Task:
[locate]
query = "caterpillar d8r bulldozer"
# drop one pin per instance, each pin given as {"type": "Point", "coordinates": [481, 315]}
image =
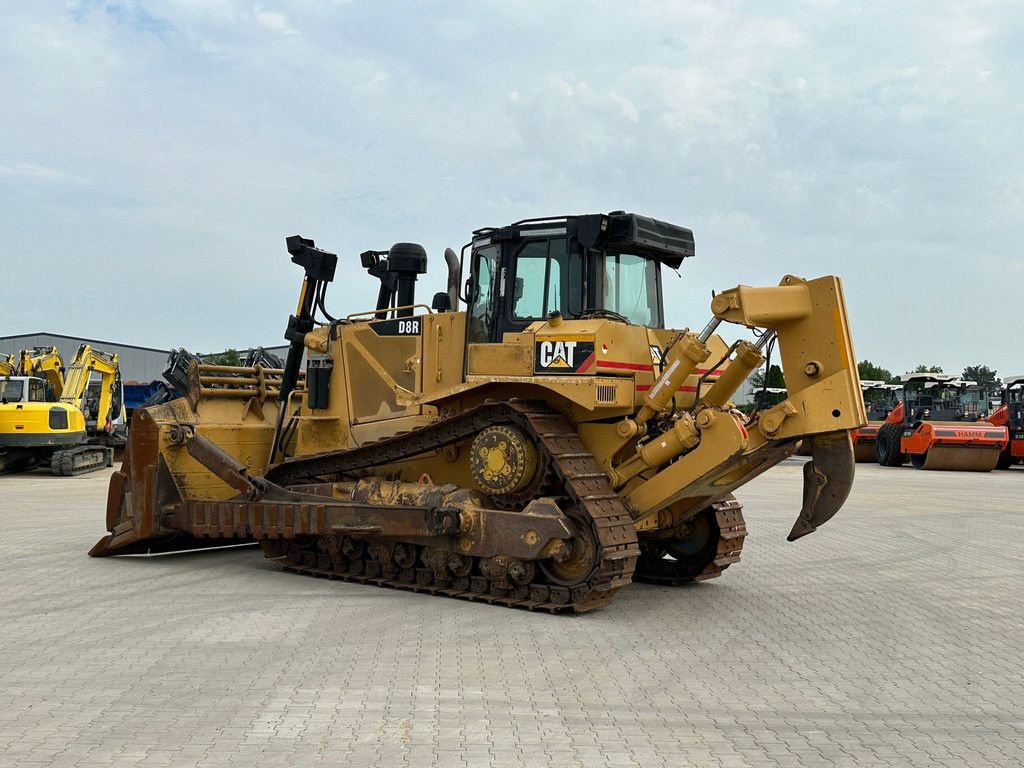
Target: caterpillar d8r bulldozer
{"type": "Point", "coordinates": [542, 448]}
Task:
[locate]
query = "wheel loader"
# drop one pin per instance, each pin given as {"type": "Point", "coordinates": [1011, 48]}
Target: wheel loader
{"type": "Point", "coordinates": [1010, 414]}
{"type": "Point", "coordinates": [541, 448]}
{"type": "Point", "coordinates": [935, 429]}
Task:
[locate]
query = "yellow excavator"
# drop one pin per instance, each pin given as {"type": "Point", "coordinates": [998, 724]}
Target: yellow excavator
{"type": "Point", "coordinates": [74, 434]}
{"type": "Point", "coordinates": [45, 363]}
{"type": "Point", "coordinates": [541, 449]}
{"type": "Point", "coordinates": [7, 366]}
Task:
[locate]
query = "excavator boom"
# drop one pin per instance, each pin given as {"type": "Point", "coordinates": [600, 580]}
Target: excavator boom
{"type": "Point", "coordinates": [45, 363]}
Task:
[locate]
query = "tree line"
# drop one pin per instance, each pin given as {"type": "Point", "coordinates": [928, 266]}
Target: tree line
{"type": "Point", "coordinates": [986, 377]}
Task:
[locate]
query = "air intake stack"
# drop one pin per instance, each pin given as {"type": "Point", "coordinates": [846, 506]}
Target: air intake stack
{"type": "Point", "coordinates": [397, 269]}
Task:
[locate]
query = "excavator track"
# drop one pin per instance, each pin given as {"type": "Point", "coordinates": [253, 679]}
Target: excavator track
{"type": "Point", "coordinates": [571, 476]}
{"type": "Point", "coordinates": [81, 459]}
{"type": "Point", "coordinates": [727, 535]}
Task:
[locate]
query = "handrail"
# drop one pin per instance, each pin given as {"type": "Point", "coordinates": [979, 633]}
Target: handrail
{"type": "Point", "coordinates": [387, 311]}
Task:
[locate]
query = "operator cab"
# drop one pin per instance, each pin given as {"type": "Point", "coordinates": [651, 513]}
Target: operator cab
{"type": "Point", "coordinates": [22, 389]}
{"type": "Point", "coordinates": [937, 397]}
{"type": "Point", "coordinates": [1013, 398]}
{"type": "Point", "coordinates": [596, 265]}
{"type": "Point", "coordinates": [880, 398]}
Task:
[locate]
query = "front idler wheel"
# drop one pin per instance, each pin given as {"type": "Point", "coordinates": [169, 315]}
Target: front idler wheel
{"type": "Point", "coordinates": [577, 560]}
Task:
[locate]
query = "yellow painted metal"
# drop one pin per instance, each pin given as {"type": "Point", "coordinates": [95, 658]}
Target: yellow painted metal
{"type": "Point", "coordinates": [87, 362]}
{"type": "Point", "coordinates": [692, 449]}
{"type": "Point", "coordinates": [47, 363]}
{"type": "Point", "coordinates": [722, 438]}
{"type": "Point", "coordinates": [681, 360]}
{"type": "Point", "coordinates": [28, 424]}
{"type": "Point", "coordinates": [748, 358]}
{"type": "Point", "coordinates": [502, 460]}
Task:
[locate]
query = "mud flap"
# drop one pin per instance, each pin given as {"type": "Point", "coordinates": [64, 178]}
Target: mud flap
{"type": "Point", "coordinates": [828, 477]}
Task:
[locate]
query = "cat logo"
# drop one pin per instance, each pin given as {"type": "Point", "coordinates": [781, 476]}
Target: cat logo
{"type": "Point", "coordinates": [557, 354]}
{"type": "Point", "coordinates": [571, 354]}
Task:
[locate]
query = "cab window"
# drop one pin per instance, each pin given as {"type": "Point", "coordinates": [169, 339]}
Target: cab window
{"type": "Point", "coordinates": [547, 279]}
{"type": "Point", "coordinates": [630, 288]}
{"type": "Point", "coordinates": [11, 391]}
{"type": "Point", "coordinates": [36, 391]}
{"type": "Point", "coordinates": [481, 295]}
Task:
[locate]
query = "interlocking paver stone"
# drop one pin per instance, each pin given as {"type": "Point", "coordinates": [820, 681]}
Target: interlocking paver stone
{"type": "Point", "coordinates": [892, 637]}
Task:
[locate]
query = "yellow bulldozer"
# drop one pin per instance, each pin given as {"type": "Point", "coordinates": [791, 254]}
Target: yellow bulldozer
{"type": "Point", "coordinates": [542, 448]}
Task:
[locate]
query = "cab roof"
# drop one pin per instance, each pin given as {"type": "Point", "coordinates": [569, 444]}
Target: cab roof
{"type": "Point", "coordinates": [617, 231]}
{"type": "Point", "coordinates": [931, 378]}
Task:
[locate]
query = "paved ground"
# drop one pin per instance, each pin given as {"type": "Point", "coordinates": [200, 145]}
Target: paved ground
{"type": "Point", "coordinates": [894, 636]}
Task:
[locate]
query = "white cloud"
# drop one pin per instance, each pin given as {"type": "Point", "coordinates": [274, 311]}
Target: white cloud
{"type": "Point", "coordinates": [41, 173]}
{"type": "Point", "coordinates": [275, 22]}
{"type": "Point", "coordinates": [877, 141]}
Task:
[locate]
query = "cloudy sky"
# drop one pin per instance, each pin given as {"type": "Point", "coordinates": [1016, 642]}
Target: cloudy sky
{"type": "Point", "coordinates": [154, 154]}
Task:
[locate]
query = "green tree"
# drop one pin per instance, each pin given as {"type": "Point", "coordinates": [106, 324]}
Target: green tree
{"type": "Point", "coordinates": [227, 357]}
{"type": "Point", "coordinates": [928, 369]}
{"type": "Point", "coordinates": [775, 378]}
{"type": "Point", "coordinates": [985, 376]}
{"type": "Point", "coordinates": [868, 371]}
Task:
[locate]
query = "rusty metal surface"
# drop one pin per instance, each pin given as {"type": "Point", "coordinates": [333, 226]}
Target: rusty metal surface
{"type": "Point", "coordinates": [828, 478]}
{"type": "Point", "coordinates": [290, 519]}
{"type": "Point", "coordinates": [583, 491]}
{"type": "Point", "coordinates": [958, 457]}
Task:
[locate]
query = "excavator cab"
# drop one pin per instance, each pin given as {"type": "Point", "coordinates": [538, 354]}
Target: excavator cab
{"type": "Point", "coordinates": [599, 265]}
{"type": "Point", "coordinates": [22, 389]}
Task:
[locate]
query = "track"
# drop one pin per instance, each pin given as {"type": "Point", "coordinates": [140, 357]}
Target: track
{"type": "Point", "coordinates": [81, 459]}
{"type": "Point", "coordinates": [726, 529]}
{"type": "Point", "coordinates": [606, 550]}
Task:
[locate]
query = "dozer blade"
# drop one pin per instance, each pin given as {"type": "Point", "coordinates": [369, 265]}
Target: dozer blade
{"type": "Point", "coordinates": [828, 477]}
{"type": "Point", "coordinates": [958, 458]}
{"type": "Point", "coordinates": [140, 496]}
